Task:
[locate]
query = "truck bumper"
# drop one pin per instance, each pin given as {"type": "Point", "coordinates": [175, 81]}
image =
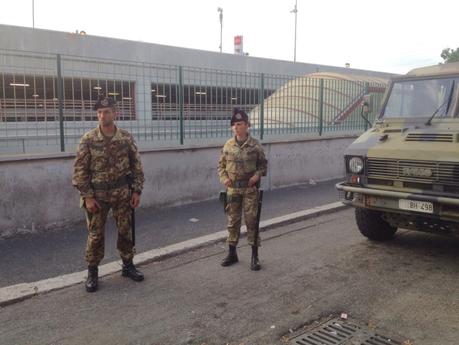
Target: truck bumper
{"type": "Point", "coordinates": [398, 195]}
{"type": "Point", "coordinates": [439, 215]}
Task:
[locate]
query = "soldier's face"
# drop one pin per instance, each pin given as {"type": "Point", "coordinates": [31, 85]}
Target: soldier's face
{"type": "Point", "coordinates": [240, 129]}
{"type": "Point", "coordinates": [106, 116]}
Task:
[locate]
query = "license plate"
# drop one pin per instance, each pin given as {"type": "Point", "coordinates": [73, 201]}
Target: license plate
{"type": "Point", "coordinates": [413, 205]}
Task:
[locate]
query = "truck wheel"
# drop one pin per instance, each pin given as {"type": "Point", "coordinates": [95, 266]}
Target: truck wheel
{"type": "Point", "coordinates": [371, 225]}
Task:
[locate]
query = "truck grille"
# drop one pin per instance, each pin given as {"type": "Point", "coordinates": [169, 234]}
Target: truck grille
{"type": "Point", "coordinates": [418, 171]}
{"type": "Point", "coordinates": [430, 137]}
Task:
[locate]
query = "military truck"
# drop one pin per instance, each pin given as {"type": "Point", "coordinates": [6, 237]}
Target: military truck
{"type": "Point", "coordinates": [404, 171]}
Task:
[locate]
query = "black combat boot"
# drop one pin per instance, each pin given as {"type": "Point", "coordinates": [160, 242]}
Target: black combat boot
{"type": "Point", "coordinates": [255, 263]}
{"type": "Point", "coordinates": [231, 258]}
{"type": "Point", "coordinates": [130, 271]}
{"type": "Point", "coordinates": [91, 282]}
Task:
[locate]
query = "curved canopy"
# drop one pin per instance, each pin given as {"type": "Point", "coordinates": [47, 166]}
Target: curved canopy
{"type": "Point", "coordinates": [299, 102]}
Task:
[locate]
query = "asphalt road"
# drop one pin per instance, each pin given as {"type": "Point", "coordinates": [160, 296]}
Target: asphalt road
{"type": "Point", "coordinates": [30, 258]}
{"type": "Point", "coordinates": [406, 288]}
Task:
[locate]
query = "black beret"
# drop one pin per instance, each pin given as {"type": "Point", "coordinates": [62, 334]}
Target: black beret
{"type": "Point", "coordinates": [104, 102]}
{"type": "Point", "coordinates": [239, 115]}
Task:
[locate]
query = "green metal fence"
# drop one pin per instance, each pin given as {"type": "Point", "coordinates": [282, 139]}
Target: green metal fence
{"type": "Point", "coordinates": [46, 102]}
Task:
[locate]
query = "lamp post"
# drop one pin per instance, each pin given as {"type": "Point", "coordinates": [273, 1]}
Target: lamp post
{"type": "Point", "coordinates": [295, 10]}
{"type": "Point", "coordinates": [220, 10]}
{"type": "Point", "coordinates": [33, 14]}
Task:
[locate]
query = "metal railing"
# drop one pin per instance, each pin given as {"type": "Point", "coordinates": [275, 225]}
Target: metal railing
{"type": "Point", "coordinates": [46, 102]}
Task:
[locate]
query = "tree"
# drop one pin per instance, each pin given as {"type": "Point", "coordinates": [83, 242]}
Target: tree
{"type": "Point", "coordinates": [450, 55]}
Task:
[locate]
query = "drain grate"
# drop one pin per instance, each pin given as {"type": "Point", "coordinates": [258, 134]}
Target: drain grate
{"type": "Point", "coordinates": [340, 332]}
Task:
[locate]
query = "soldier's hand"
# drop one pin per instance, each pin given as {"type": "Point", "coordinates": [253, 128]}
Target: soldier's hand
{"type": "Point", "coordinates": [228, 183]}
{"type": "Point", "coordinates": [91, 205]}
{"type": "Point", "coordinates": [253, 180]}
{"type": "Point", "coordinates": [135, 200]}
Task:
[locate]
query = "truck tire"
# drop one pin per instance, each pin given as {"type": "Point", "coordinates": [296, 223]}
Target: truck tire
{"type": "Point", "coordinates": [372, 226]}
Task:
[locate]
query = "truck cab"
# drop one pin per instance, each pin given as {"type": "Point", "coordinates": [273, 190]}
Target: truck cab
{"type": "Point", "coordinates": [404, 171]}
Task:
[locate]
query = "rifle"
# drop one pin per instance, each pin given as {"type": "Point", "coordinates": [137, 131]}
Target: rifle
{"type": "Point", "coordinates": [133, 226]}
{"type": "Point", "coordinates": [130, 181]}
{"type": "Point", "coordinates": [260, 203]}
{"type": "Point", "coordinates": [223, 197]}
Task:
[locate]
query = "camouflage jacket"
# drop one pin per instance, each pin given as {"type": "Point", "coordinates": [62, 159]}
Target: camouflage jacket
{"type": "Point", "coordinates": [99, 163]}
{"type": "Point", "coordinates": [241, 162]}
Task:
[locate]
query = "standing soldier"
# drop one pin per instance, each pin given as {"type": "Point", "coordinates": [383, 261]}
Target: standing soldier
{"type": "Point", "coordinates": [242, 164]}
{"type": "Point", "coordinates": [108, 174]}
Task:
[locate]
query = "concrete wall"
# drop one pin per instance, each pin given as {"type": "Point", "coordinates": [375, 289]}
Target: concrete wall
{"type": "Point", "coordinates": [37, 193]}
{"type": "Point", "coordinates": [54, 42]}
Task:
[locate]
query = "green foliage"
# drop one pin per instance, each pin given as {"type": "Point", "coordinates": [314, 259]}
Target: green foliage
{"type": "Point", "coordinates": [450, 55]}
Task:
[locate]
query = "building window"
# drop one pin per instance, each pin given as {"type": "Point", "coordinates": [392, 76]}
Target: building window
{"type": "Point", "coordinates": [201, 102]}
{"type": "Point", "coordinates": [35, 98]}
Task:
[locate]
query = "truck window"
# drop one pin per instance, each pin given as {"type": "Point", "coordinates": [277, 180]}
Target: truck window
{"type": "Point", "coordinates": [420, 98]}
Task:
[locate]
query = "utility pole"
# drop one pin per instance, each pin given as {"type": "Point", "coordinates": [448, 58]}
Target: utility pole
{"type": "Point", "coordinates": [295, 10]}
{"type": "Point", "coordinates": [220, 10]}
{"type": "Point", "coordinates": [33, 14]}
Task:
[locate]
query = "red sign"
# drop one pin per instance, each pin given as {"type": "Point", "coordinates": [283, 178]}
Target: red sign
{"type": "Point", "coordinates": [238, 49]}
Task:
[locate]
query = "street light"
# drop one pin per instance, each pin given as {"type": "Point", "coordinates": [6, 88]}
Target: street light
{"type": "Point", "coordinates": [33, 14]}
{"type": "Point", "coordinates": [295, 10]}
{"type": "Point", "coordinates": [220, 10]}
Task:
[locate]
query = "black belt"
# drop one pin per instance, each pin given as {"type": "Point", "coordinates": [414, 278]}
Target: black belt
{"type": "Point", "coordinates": [121, 182]}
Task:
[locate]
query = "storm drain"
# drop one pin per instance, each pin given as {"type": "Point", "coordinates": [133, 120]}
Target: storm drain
{"type": "Point", "coordinates": [341, 332]}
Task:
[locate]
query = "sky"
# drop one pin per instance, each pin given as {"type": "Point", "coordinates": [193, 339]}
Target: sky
{"type": "Point", "coordinates": [390, 36]}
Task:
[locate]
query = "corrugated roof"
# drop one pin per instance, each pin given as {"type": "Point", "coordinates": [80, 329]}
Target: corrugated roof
{"type": "Point", "coordinates": [349, 77]}
{"type": "Point", "coordinates": [297, 102]}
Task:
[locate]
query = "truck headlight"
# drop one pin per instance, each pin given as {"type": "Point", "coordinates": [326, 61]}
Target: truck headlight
{"type": "Point", "coordinates": [355, 165]}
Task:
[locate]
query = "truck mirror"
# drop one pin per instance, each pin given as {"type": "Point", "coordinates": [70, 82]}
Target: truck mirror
{"type": "Point", "coordinates": [366, 103]}
{"type": "Point", "coordinates": [365, 110]}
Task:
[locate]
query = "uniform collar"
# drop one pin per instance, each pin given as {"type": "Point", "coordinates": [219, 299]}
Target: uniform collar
{"type": "Point", "coordinates": [248, 142]}
{"type": "Point", "coordinates": [101, 137]}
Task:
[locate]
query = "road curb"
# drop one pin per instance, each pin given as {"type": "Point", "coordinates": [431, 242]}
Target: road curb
{"type": "Point", "coordinates": [19, 292]}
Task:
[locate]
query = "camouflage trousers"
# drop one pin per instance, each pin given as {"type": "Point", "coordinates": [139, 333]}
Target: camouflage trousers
{"type": "Point", "coordinates": [117, 201]}
{"type": "Point", "coordinates": [242, 200]}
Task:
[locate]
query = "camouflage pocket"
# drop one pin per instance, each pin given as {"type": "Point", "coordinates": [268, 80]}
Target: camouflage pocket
{"type": "Point", "coordinates": [98, 147]}
{"type": "Point", "coordinates": [233, 198]}
{"type": "Point", "coordinates": [250, 166]}
{"type": "Point", "coordinates": [231, 165]}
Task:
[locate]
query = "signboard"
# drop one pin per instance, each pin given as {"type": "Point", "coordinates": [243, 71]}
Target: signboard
{"type": "Point", "coordinates": [238, 48]}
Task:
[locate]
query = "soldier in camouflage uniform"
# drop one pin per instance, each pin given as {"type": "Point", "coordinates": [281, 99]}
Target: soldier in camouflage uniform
{"type": "Point", "coordinates": [107, 162]}
{"type": "Point", "coordinates": [242, 164]}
